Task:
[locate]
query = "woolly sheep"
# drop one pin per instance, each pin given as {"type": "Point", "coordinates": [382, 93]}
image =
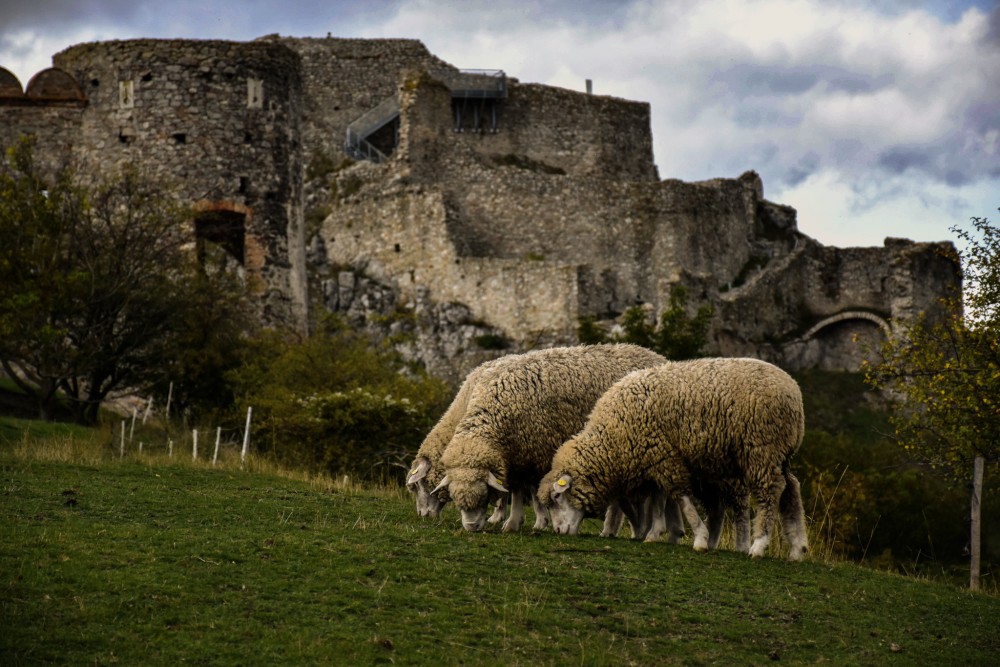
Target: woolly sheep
{"type": "Point", "coordinates": [518, 416]}
{"type": "Point", "coordinates": [734, 423]}
{"type": "Point", "coordinates": [426, 471]}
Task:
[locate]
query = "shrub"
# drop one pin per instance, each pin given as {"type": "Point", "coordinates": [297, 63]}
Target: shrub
{"type": "Point", "coordinates": [337, 402]}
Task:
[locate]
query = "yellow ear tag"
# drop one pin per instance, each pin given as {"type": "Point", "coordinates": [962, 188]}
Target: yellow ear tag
{"type": "Point", "coordinates": [413, 471]}
{"type": "Point", "coordinates": [561, 482]}
{"type": "Point", "coordinates": [500, 482]}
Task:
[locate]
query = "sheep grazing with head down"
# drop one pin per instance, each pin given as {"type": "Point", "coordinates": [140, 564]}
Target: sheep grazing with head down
{"type": "Point", "coordinates": [426, 471]}
{"type": "Point", "coordinates": [734, 423]}
{"type": "Point", "coordinates": [518, 415]}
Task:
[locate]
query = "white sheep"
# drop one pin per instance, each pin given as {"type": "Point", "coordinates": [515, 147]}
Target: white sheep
{"type": "Point", "coordinates": [730, 424]}
{"type": "Point", "coordinates": [518, 415]}
{"type": "Point", "coordinates": [426, 471]}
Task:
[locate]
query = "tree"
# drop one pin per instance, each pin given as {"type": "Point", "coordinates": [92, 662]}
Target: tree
{"type": "Point", "coordinates": [678, 336]}
{"type": "Point", "coordinates": [97, 288]}
{"type": "Point", "coordinates": [946, 372]}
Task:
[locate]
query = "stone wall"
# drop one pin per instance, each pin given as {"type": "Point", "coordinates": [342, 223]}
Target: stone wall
{"type": "Point", "coordinates": [218, 120]}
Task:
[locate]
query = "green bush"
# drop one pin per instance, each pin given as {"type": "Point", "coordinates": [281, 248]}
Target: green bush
{"type": "Point", "coordinates": [336, 402]}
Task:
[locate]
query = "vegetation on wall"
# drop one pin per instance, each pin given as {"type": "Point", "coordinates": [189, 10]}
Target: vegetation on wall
{"type": "Point", "coordinates": [677, 335]}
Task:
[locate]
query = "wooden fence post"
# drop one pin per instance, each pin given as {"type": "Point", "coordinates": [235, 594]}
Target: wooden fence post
{"type": "Point", "coordinates": [194, 448]}
{"type": "Point", "coordinates": [218, 436]}
{"type": "Point", "coordinates": [246, 438]}
{"type": "Point", "coordinates": [121, 451]}
{"type": "Point", "coordinates": [977, 496]}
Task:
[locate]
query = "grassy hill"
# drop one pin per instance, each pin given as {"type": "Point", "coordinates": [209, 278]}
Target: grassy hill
{"type": "Point", "coordinates": [150, 562]}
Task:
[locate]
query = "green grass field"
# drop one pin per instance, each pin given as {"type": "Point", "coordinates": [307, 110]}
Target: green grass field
{"type": "Point", "coordinates": [156, 562]}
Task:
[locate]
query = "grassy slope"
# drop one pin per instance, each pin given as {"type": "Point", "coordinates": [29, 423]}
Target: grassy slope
{"type": "Point", "coordinates": [143, 564]}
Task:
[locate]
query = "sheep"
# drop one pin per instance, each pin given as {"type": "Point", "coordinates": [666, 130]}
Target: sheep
{"type": "Point", "coordinates": [426, 471]}
{"type": "Point", "coordinates": [732, 424]}
{"type": "Point", "coordinates": [518, 416]}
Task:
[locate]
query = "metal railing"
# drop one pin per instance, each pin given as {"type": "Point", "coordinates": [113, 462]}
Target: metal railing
{"type": "Point", "coordinates": [482, 84]}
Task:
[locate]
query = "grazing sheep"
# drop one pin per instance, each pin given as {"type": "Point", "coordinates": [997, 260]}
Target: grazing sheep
{"type": "Point", "coordinates": [426, 471]}
{"type": "Point", "coordinates": [517, 417]}
{"type": "Point", "coordinates": [734, 423]}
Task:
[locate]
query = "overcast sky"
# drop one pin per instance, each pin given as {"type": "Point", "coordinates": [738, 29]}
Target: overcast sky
{"type": "Point", "coordinates": [872, 118]}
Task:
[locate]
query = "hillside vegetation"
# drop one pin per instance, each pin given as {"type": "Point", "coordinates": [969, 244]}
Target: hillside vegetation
{"type": "Point", "coordinates": [149, 561]}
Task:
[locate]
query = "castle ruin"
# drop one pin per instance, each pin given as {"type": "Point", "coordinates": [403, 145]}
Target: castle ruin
{"type": "Point", "coordinates": [465, 208]}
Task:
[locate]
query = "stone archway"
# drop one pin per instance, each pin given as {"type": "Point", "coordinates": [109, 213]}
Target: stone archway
{"type": "Point", "coordinates": [838, 343]}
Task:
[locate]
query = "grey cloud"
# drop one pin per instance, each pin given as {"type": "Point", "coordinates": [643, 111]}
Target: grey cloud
{"type": "Point", "coordinates": [898, 159]}
{"type": "Point", "coordinates": [756, 79]}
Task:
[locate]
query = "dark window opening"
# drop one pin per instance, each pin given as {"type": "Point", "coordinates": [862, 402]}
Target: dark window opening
{"type": "Point", "coordinates": [247, 138]}
{"type": "Point", "coordinates": [244, 184]}
{"type": "Point", "coordinates": [179, 137]}
{"type": "Point", "coordinates": [147, 77]}
{"type": "Point", "coordinates": [95, 82]}
{"type": "Point", "coordinates": [396, 247]}
{"type": "Point", "coordinates": [125, 138]}
{"type": "Point", "coordinates": [219, 234]}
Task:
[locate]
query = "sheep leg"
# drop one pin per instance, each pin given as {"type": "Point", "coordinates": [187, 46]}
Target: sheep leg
{"type": "Point", "coordinates": [767, 500]}
{"type": "Point", "coordinates": [675, 520]}
{"type": "Point", "coordinates": [697, 525]}
{"type": "Point", "coordinates": [516, 518]}
{"type": "Point", "coordinates": [716, 512]}
{"type": "Point", "coordinates": [793, 519]}
{"type": "Point", "coordinates": [656, 516]}
{"type": "Point", "coordinates": [634, 516]}
{"type": "Point", "coordinates": [613, 518]}
{"type": "Point", "coordinates": [741, 525]}
{"type": "Point", "coordinates": [541, 514]}
{"type": "Point", "coordinates": [500, 512]}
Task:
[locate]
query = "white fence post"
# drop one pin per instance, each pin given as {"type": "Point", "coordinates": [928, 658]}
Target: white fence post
{"type": "Point", "coordinates": [149, 406]}
{"type": "Point", "coordinates": [194, 448]}
{"type": "Point", "coordinates": [170, 448]}
{"type": "Point", "coordinates": [246, 437]}
{"type": "Point", "coordinates": [170, 396]}
{"type": "Point", "coordinates": [218, 436]}
{"type": "Point", "coordinates": [131, 430]}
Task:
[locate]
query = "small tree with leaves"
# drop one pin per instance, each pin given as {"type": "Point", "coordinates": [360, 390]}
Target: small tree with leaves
{"type": "Point", "coordinates": [946, 373]}
{"type": "Point", "coordinates": [677, 336]}
{"type": "Point", "coordinates": [97, 288]}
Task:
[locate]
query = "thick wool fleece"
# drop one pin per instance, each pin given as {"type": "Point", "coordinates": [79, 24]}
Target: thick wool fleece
{"type": "Point", "coordinates": [735, 422]}
{"type": "Point", "coordinates": [518, 416]}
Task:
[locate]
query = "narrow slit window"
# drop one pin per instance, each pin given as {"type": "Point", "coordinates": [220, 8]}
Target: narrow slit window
{"type": "Point", "coordinates": [126, 94]}
{"type": "Point", "coordinates": [255, 93]}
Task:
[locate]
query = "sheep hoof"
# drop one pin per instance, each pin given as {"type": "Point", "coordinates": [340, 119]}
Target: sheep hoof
{"type": "Point", "coordinates": [758, 549]}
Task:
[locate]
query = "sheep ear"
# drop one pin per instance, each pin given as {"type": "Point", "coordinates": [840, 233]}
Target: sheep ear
{"type": "Point", "coordinates": [495, 483]}
{"type": "Point", "coordinates": [442, 485]}
{"type": "Point", "coordinates": [561, 485]}
{"type": "Point", "coordinates": [419, 470]}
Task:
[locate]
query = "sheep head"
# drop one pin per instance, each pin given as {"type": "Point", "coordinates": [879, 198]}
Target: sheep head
{"type": "Point", "coordinates": [429, 504]}
{"type": "Point", "coordinates": [470, 488]}
{"type": "Point", "coordinates": [566, 518]}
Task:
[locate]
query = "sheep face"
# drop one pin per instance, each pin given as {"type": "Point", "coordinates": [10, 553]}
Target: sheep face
{"type": "Point", "coordinates": [566, 517]}
{"type": "Point", "coordinates": [472, 490]}
{"type": "Point", "coordinates": [428, 504]}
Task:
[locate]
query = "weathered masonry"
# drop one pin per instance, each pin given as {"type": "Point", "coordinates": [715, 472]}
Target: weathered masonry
{"type": "Point", "coordinates": [462, 206]}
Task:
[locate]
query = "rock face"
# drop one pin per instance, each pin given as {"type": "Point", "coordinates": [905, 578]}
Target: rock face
{"type": "Point", "coordinates": [492, 216]}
